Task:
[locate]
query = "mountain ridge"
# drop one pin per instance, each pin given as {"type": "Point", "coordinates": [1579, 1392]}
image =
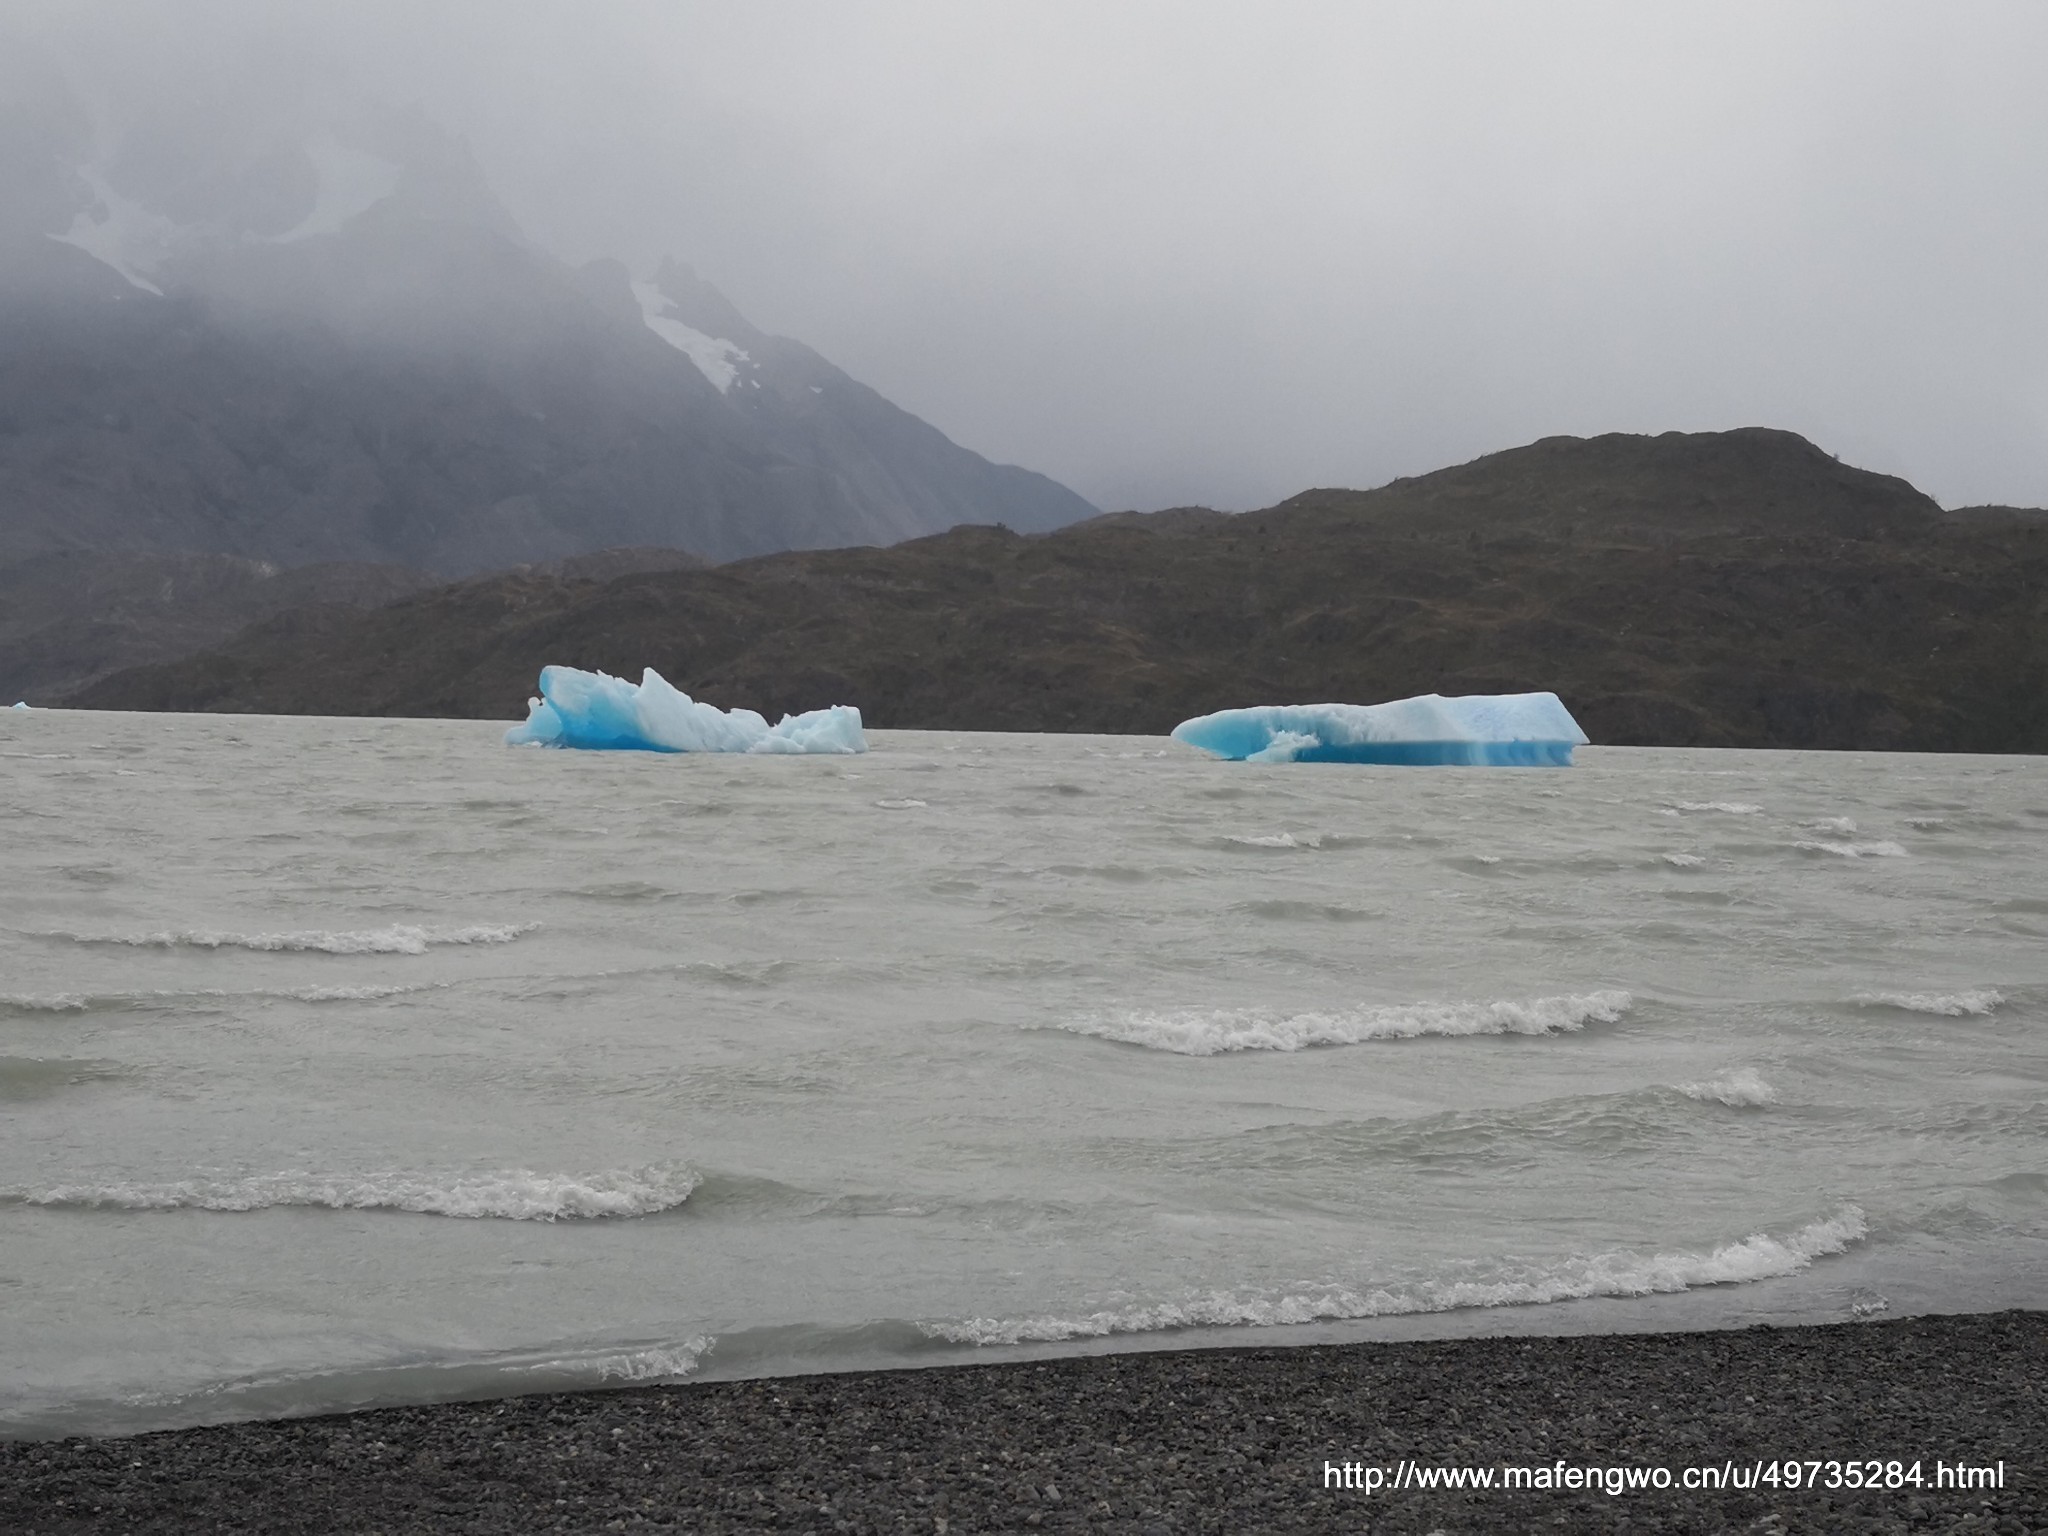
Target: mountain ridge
{"type": "Point", "coordinates": [1739, 588]}
{"type": "Point", "coordinates": [356, 356]}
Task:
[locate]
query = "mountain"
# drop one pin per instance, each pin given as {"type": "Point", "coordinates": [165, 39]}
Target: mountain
{"type": "Point", "coordinates": [339, 348]}
{"type": "Point", "coordinates": [1722, 589]}
{"type": "Point", "coordinates": [71, 617]}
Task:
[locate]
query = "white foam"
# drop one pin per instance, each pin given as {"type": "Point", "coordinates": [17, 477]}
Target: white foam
{"type": "Point", "coordinates": [901, 805]}
{"type": "Point", "coordinates": [1212, 1031]}
{"type": "Point", "coordinates": [661, 1364]}
{"type": "Point", "coordinates": [76, 1002]}
{"type": "Point", "coordinates": [399, 939]}
{"type": "Point", "coordinates": [55, 1002]}
{"type": "Point", "coordinates": [1742, 1089]}
{"type": "Point", "coordinates": [1684, 860]}
{"type": "Point", "coordinates": [1725, 807]}
{"type": "Point", "coordinates": [514, 1195]}
{"type": "Point", "coordinates": [1840, 825]}
{"type": "Point", "coordinates": [1759, 1256]}
{"type": "Point", "coordinates": [1954, 1005]}
{"type": "Point", "coordinates": [342, 994]}
{"type": "Point", "coordinates": [1279, 840]}
{"type": "Point", "coordinates": [1853, 850]}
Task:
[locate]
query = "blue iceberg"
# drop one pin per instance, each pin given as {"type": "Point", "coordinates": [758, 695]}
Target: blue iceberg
{"type": "Point", "coordinates": [1517, 730]}
{"type": "Point", "coordinates": [601, 713]}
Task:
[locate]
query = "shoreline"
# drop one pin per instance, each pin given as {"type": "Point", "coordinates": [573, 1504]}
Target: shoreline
{"type": "Point", "coordinates": [1225, 1440]}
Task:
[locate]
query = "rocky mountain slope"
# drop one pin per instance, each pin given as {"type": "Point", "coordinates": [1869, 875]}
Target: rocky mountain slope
{"type": "Point", "coordinates": [71, 617]}
{"type": "Point", "coordinates": [341, 349]}
{"type": "Point", "coordinates": [1738, 588]}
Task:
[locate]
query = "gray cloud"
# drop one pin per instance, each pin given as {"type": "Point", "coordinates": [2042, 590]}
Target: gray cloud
{"type": "Point", "coordinates": [1215, 252]}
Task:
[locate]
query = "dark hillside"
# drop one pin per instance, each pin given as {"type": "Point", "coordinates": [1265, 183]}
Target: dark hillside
{"type": "Point", "coordinates": [73, 615]}
{"type": "Point", "coordinates": [1738, 588]}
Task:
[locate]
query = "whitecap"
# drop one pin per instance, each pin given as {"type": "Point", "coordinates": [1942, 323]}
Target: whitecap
{"type": "Point", "coordinates": [1742, 1089]}
{"type": "Point", "coordinates": [513, 1195]}
{"type": "Point", "coordinates": [1974, 1000]}
{"type": "Point", "coordinates": [1853, 850]}
{"type": "Point", "coordinates": [79, 1002]}
{"type": "Point", "coordinates": [1841, 825]}
{"type": "Point", "coordinates": [662, 1363]}
{"type": "Point", "coordinates": [1760, 1256]}
{"type": "Point", "coordinates": [1212, 1031]}
{"type": "Point", "coordinates": [1683, 860]}
{"type": "Point", "coordinates": [1278, 840]}
{"type": "Point", "coordinates": [341, 994]}
{"type": "Point", "coordinates": [399, 939]}
{"type": "Point", "coordinates": [54, 1002]}
{"type": "Point", "coordinates": [1726, 807]}
{"type": "Point", "coordinates": [901, 805]}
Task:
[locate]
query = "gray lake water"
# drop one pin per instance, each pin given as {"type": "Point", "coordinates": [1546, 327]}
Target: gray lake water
{"type": "Point", "coordinates": [360, 1061]}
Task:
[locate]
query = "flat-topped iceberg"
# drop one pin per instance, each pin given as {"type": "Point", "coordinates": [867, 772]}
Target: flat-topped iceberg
{"type": "Point", "coordinates": [601, 713]}
{"type": "Point", "coordinates": [1522, 730]}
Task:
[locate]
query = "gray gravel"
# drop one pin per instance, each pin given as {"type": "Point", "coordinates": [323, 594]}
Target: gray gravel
{"type": "Point", "coordinates": [1212, 1441]}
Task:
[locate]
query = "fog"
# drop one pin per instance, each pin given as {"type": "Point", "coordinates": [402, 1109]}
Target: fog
{"type": "Point", "coordinates": [1217, 253]}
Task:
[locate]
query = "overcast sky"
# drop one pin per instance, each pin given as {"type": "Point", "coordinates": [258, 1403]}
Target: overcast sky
{"type": "Point", "coordinates": [1194, 252]}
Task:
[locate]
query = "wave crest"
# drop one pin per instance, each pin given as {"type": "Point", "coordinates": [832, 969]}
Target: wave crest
{"type": "Point", "coordinates": [1743, 1089]}
{"type": "Point", "coordinates": [1885, 850]}
{"type": "Point", "coordinates": [1211, 1032]}
{"type": "Point", "coordinates": [1974, 1000]}
{"type": "Point", "coordinates": [513, 1195]}
{"type": "Point", "coordinates": [1760, 1256]}
{"type": "Point", "coordinates": [170, 998]}
{"type": "Point", "coordinates": [398, 939]}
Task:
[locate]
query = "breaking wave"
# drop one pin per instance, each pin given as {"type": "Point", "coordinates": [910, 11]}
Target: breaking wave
{"type": "Point", "coordinates": [1278, 840]}
{"type": "Point", "coordinates": [85, 1002]}
{"type": "Point", "coordinates": [1954, 1005]}
{"type": "Point", "coordinates": [399, 939]}
{"type": "Point", "coordinates": [513, 1195]}
{"type": "Point", "coordinates": [1210, 1032]}
{"type": "Point", "coordinates": [1885, 850]}
{"type": "Point", "coordinates": [1684, 860]}
{"type": "Point", "coordinates": [669, 1363]}
{"type": "Point", "coordinates": [1725, 807]}
{"type": "Point", "coordinates": [1744, 1089]}
{"type": "Point", "coordinates": [1760, 1256]}
{"type": "Point", "coordinates": [54, 1002]}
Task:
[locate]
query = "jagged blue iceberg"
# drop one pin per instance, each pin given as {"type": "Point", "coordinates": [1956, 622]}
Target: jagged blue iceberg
{"type": "Point", "coordinates": [597, 712]}
{"type": "Point", "coordinates": [1519, 730]}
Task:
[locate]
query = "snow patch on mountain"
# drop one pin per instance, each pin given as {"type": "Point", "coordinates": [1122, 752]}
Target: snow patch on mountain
{"type": "Point", "coordinates": [716, 358]}
{"type": "Point", "coordinates": [121, 233]}
{"type": "Point", "coordinates": [351, 184]}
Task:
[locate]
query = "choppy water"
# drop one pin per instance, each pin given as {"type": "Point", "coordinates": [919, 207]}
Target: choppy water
{"type": "Point", "coordinates": [346, 1062]}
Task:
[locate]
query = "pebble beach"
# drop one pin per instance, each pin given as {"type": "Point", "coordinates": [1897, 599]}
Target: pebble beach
{"type": "Point", "coordinates": [1231, 1440]}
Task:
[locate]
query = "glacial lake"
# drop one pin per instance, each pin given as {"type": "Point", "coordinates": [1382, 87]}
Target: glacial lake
{"type": "Point", "coordinates": [347, 1062]}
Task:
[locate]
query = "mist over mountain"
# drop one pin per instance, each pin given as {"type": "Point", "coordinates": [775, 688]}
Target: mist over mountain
{"type": "Point", "coordinates": [329, 342]}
